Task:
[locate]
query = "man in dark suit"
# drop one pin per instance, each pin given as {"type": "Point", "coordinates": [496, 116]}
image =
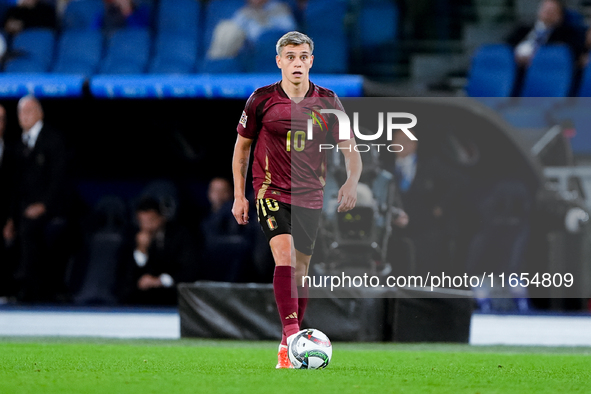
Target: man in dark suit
{"type": "Point", "coordinates": [4, 162]}
{"type": "Point", "coordinates": [6, 176]}
{"type": "Point", "coordinates": [427, 191]}
{"type": "Point", "coordinates": [160, 254]}
{"type": "Point", "coordinates": [38, 202]}
{"type": "Point", "coordinates": [549, 28]}
{"type": "Point", "coordinates": [27, 14]}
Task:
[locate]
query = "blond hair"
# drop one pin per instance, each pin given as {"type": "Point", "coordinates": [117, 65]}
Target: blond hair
{"type": "Point", "coordinates": [294, 38]}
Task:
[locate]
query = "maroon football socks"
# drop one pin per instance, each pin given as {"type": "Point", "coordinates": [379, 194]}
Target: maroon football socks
{"type": "Point", "coordinates": [286, 297]}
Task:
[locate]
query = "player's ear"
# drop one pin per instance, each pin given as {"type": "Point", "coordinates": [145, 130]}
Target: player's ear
{"type": "Point", "coordinates": [311, 60]}
{"type": "Point", "coordinates": [278, 61]}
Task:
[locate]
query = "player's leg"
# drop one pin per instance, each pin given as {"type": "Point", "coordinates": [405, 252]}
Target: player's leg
{"type": "Point", "coordinates": [284, 284]}
{"type": "Point", "coordinates": [301, 270]}
{"type": "Point", "coordinates": [284, 289]}
{"type": "Point", "coordinates": [275, 221]}
{"type": "Point", "coordinates": [305, 229]}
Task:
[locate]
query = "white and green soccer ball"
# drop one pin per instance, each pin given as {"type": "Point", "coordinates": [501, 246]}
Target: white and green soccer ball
{"type": "Point", "coordinates": [309, 349]}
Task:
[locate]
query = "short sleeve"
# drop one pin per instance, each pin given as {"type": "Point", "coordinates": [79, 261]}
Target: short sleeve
{"type": "Point", "coordinates": [248, 125]}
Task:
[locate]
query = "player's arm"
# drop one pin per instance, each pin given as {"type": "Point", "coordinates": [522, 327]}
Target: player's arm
{"type": "Point", "coordinates": [348, 192]}
{"type": "Point", "coordinates": [239, 170]}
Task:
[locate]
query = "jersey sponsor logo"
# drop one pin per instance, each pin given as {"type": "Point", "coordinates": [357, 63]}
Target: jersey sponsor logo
{"type": "Point", "coordinates": [243, 119]}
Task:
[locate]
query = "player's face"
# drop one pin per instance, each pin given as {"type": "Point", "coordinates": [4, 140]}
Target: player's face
{"type": "Point", "coordinates": [295, 63]}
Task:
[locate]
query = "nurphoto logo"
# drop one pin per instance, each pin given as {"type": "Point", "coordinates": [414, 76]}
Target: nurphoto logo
{"type": "Point", "coordinates": [345, 127]}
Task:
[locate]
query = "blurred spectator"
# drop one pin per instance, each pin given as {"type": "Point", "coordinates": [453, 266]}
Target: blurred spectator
{"type": "Point", "coordinates": [4, 187]}
{"type": "Point", "coordinates": [6, 264]}
{"type": "Point", "coordinates": [37, 214]}
{"type": "Point", "coordinates": [428, 190]}
{"type": "Point", "coordinates": [29, 13]}
{"type": "Point", "coordinates": [228, 247]}
{"type": "Point", "coordinates": [162, 255]}
{"type": "Point", "coordinates": [247, 25]}
{"type": "Point", "coordinates": [124, 14]}
{"type": "Point", "coordinates": [549, 28]}
{"type": "Point", "coordinates": [500, 239]}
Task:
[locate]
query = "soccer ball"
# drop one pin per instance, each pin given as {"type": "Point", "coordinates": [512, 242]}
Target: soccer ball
{"type": "Point", "coordinates": [309, 349]}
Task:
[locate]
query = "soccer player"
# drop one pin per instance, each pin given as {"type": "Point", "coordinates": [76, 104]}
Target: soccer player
{"type": "Point", "coordinates": [288, 175]}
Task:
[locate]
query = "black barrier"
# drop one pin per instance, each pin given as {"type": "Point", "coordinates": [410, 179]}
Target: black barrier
{"type": "Point", "coordinates": [248, 312]}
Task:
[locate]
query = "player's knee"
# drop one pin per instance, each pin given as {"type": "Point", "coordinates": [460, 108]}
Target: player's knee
{"type": "Point", "coordinates": [283, 259]}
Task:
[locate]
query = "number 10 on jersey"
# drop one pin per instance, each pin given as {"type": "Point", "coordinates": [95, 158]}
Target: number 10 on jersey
{"type": "Point", "coordinates": [299, 141]}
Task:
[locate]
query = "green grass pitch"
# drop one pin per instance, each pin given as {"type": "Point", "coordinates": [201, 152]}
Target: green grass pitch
{"type": "Point", "coordinates": [68, 365]}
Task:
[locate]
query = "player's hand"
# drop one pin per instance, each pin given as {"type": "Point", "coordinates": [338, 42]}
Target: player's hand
{"type": "Point", "coordinates": [240, 210]}
{"type": "Point", "coordinates": [347, 196]}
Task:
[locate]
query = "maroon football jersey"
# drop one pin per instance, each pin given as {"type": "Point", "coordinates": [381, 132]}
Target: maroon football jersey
{"type": "Point", "coordinates": [288, 166]}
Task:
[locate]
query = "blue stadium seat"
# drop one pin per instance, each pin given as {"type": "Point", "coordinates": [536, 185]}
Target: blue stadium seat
{"type": "Point", "coordinates": [492, 72]}
{"type": "Point", "coordinates": [79, 52]}
{"type": "Point", "coordinates": [128, 52]}
{"type": "Point", "coordinates": [261, 57]}
{"type": "Point", "coordinates": [82, 15]}
{"type": "Point", "coordinates": [550, 73]}
{"type": "Point", "coordinates": [215, 11]}
{"type": "Point", "coordinates": [221, 66]}
{"type": "Point", "coordinates": [325, 17]}
{"type": "Point", "coordinates": [331, 52]}
{"type": "Point", "coordinates": [580, 116]}
{"type": "Point", "coordinates": [179, 16]}
{"type": "Point", "coordinates": [526, 116]}
{"type": "Point", "coordinates": [331, 55]}
{"type": "Point", "coordinates": [377, 23]}
{"type": "Point", "coordinates": [34, 48]}
{"type": "Point", "coordinates": [174, 54]}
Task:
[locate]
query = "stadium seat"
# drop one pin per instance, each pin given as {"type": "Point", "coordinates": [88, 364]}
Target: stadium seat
{"type": "Point", "coordinates": [33, 49]}
{"type": "Point", "coordinates": [550, 73]}
{"type": "Point", "coordinates": [128, 52]}
{"type": "Point", "coordinates": [372, 13]}
{"type": "Point", "coordinates": [221, 66]}
{"type": "Point", "coordinates": [82, 15]}
{"type": "Point", "coordinates": [331, 52]}
{"type": "Point", "coordinates": [580, 118]}
{"type": "Point", "coordinates": [331, 55]}
{"type": "Point", "coordinates": [492, 72]}
{"type": "Point", "coordinates": [103, 245]}
{"type": "Point", "coordinates": [79, 52]}
{"type": "Point", "coordinates": [215, 11]}
{"type": "Point", "coordinates": [262, 54]}
{"type": "Point", "coordinates": [174, 54]}
{"type": "Point", "coordinates": [179, 16]}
